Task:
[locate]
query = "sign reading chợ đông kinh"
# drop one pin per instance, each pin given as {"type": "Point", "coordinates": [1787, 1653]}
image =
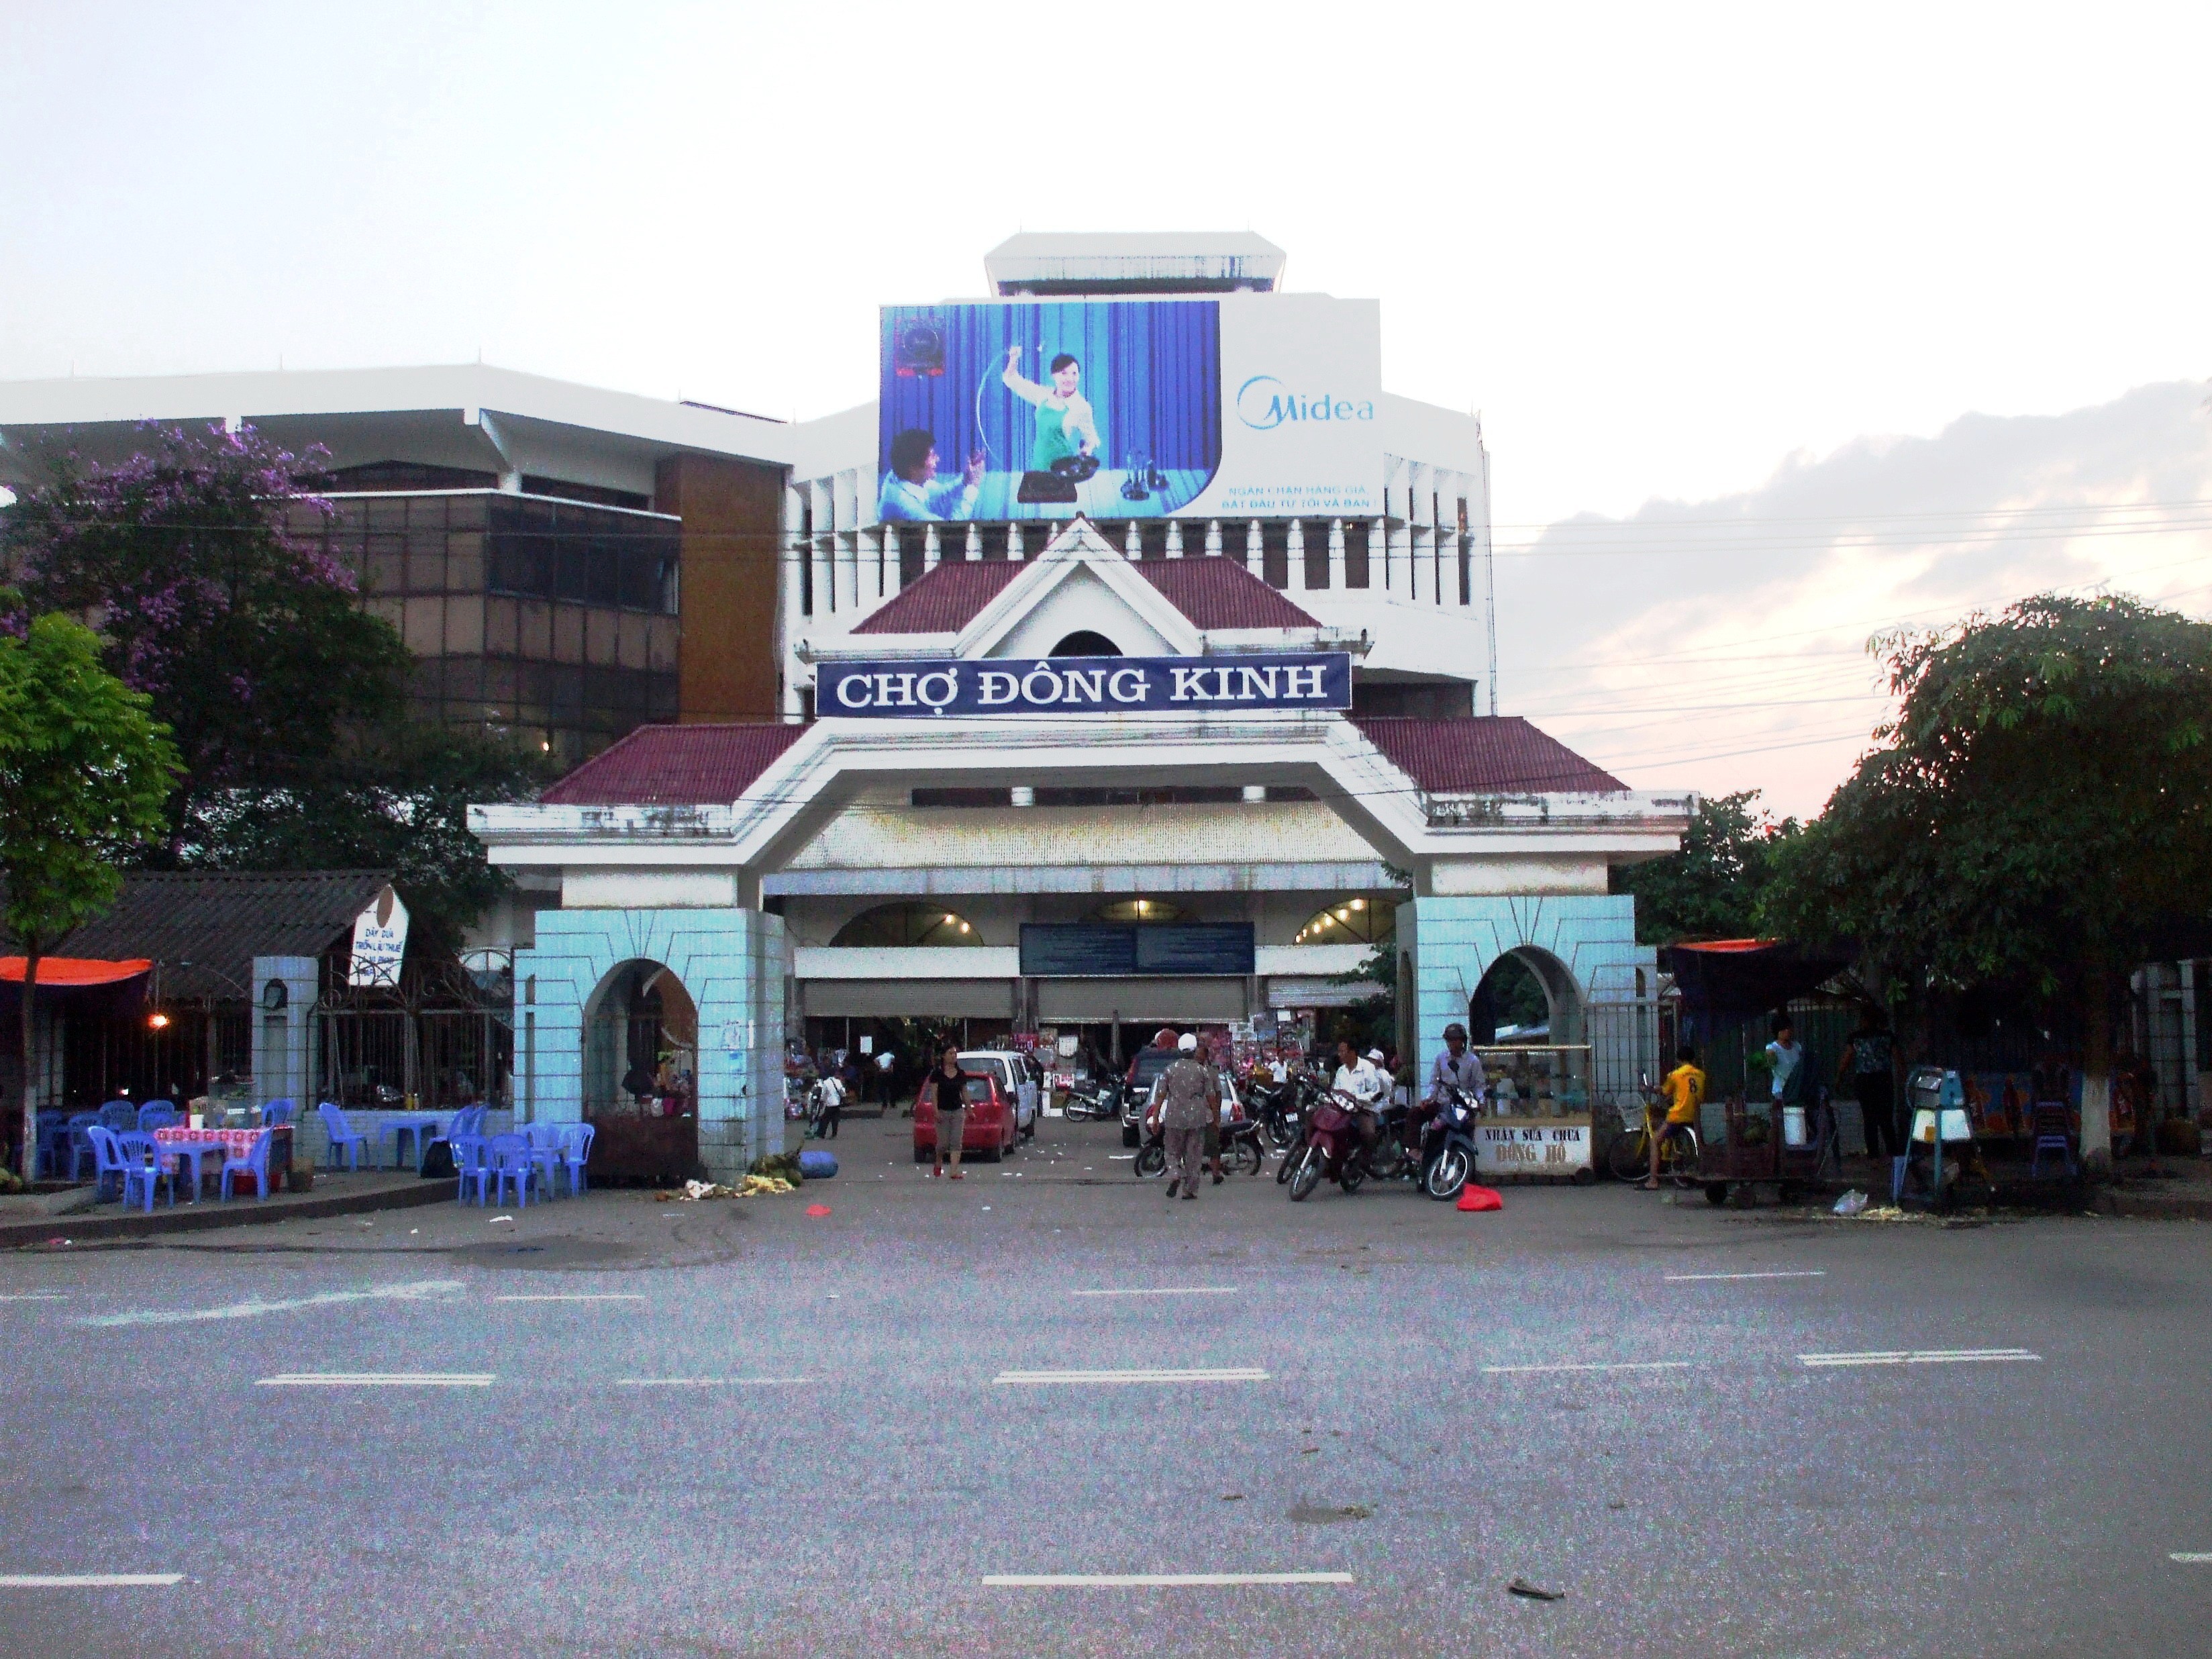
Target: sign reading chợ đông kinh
{"type": "Point", "coordinates": [1083, 685]}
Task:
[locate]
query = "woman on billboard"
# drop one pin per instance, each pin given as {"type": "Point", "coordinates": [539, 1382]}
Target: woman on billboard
{"type": "Point", "coordinates": [1066, 427]}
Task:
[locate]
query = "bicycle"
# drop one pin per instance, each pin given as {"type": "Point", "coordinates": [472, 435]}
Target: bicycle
{"type": "Point", "coordinates": [1630, 1159]}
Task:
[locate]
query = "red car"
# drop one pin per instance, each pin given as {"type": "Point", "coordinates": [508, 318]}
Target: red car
{"type": "Point", "coordinates": [992, 1130]}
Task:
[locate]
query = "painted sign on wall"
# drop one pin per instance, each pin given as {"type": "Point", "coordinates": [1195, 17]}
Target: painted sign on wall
{"type": "Point", "coordinates": [1082, 685]}
{"type": "Point", "coordinates": [1532, 1148]}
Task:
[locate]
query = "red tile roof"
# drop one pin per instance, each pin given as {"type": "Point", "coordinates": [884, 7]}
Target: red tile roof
{"type": "Point", "coordinates": [1483, 754]}
{"type": "Point", "coordinates": [1219, 592]}
{"type": "Point", "coordinates": [1212, 591]}
{"type": "Point", "coordinates": [674, 766]}
{"type": "Point", "coordinates": [944, 600]}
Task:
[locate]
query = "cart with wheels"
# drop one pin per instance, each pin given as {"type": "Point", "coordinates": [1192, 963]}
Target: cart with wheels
{"type": "Point", "coordinates": [1787, 1147]}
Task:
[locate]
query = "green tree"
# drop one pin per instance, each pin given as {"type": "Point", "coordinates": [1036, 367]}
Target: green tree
{"type": "Point", "coordinates": [1710, 888]}
{"type": "Point", "coordinates": [84, 772]}
{"type": "Point", "coordinates": [2041, 806]}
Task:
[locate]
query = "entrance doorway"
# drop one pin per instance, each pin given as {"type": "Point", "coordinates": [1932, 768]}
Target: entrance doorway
{"type": "Point", "coordinates": [642, 1076]}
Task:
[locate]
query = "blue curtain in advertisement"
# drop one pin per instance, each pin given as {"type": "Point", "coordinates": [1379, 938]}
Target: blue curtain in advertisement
{"type": "Point", "coordinates": [1150, 371]}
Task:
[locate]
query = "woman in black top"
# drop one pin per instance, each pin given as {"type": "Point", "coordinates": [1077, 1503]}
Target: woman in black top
{"type": "Point", "coordinates": [950, 1084]}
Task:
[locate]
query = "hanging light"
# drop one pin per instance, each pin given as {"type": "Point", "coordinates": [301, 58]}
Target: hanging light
{"type": "Point", "coordinates": [1360, 904]}
{"type": "Point", "coordinates": [157, 1021]}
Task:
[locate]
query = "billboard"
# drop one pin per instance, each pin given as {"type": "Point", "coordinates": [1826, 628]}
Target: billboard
{"type": "Point", "coordinates": [1249, 406]}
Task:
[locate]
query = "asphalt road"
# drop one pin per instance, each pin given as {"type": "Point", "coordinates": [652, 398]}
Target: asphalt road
{"type": "Point", "coordinates": [732, 1427]}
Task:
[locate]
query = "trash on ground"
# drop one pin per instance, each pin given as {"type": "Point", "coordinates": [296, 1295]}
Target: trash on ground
{"type": "Point", "coordinates": [1851, 1203]}
{"type": "Point", "coordinates": [1471, 1198]}
{"type": "Point", "coordinates": [751, 1186]}
{"type": "Point", "coordinates": [1522, 1587]}
{"type": "Point", "coordinates": [497, 1218]}
{"type": "Point", "coordinates": [817, 1209]}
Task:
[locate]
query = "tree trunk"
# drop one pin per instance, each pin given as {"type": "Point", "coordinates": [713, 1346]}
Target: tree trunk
{"type": "Point", "coordinates": [2097, 1074]}
{"type": "Point", "coordinates": [30, 1071]}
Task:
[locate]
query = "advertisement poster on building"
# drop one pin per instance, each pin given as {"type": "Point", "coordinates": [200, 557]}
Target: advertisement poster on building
{"type": "Point", "coordinates": [380, 941]}
{"type": "Point", "coordinates": [1248, 405]}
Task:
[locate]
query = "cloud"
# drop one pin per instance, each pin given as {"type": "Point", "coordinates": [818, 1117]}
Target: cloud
{"type": "Point", "coordinates": [1721, 644]}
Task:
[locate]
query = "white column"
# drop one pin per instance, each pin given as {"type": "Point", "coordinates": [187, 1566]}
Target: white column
{"type": "Point", "coordinates": [1256, 558]}
{"type": "Point", "coordinates": [974, 544]}
{"type": "Point", "coordinates": [1294, 559]}
{"type": "Point", "coordinates": [1215, 546]}
{"type": "Point", "coordinates": [1015, 551]}
{"type": "Point", "coordinates": [1175, 538]}
{"type": "Point", "coordinates": [1133, 542]}
{"type": "Point", "coordinates": [845, 554]}
{"type": "Point", "coordinates": [932, 549]}
{"type": "Point", "coordinates": [891, 582]}
{"type": "Point", "coordinates": [1336, 555]}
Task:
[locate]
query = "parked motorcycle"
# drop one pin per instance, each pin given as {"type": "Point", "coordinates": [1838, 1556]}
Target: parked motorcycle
{"type": "Point", "coordinates": [1447, 1155]}
{"type": "Point", "coordinates": [1330, 1151]}
{"type": "Point", "coordinates": [1094, 1101]}
{"type": "Point", "coordinates": [1242, 1152]}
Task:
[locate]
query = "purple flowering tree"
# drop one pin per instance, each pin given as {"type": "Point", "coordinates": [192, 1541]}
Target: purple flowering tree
{"type": "Point", "coordinates": [249, 640]}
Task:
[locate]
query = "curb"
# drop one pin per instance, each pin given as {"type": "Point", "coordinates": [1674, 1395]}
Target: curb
{"type": "Point", "coordinates": [2153, 1206]}
{"type": "Point", "coordinates": [205, 1216]}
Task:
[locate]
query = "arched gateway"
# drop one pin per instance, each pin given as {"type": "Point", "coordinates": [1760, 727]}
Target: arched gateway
{"type": "Point", "coordinates": [1223, 768]}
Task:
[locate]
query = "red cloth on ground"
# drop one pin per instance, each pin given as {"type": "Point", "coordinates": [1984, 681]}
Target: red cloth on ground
{"type": "Point", "coordinates": [1471, 1197]}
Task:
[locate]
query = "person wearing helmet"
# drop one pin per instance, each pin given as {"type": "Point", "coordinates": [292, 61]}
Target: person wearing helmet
{"type": "Point", "coordinates": [1458, 1067]}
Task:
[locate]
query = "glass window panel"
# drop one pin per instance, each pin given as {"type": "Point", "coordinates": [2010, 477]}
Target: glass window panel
{"type": "Point", "coordinates": [536, 629]}
{"type": "Point", "coordinates": [425, 561]}
{"type": "Point", "coordinates": [466, 512]}
{"type": "Point", "coordinates": [387, 515]}
{"type": "Point", "coordinates": [501, 627]}
{"type": "Point", "coordinates": [662, 636]}
{"type": "Point", "coordinates": [1316, 538]}
{"type": "Point", "coordinates": [464, 624]}
{"type": "Point", "coordinates": [600, 629]}
{"type": "Point", "coordinates": [391, 610]}
{"type": "Point", "coordinates": [660, 696]}
{"type": "Point", "coordinates": [384, 567]}
{"type": "Point", "coordinates": [629, 646]}
{"type": "Point", "coordinates": [426, 512]}
{"type": "Point", "coordinates": [1355, 554]}
{"type": "Point", "coordinates": [568, 633]}
{"type": "Point", "coordinates": [424, 629]}
{"type": "Point", "coordinates": [464, 562]}
{"type": "Point", "coordinates": [1275, 553]}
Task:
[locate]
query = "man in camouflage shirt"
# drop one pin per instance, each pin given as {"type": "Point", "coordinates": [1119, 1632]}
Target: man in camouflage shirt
{"type": "Point", "coordinates": [1189, 1099]}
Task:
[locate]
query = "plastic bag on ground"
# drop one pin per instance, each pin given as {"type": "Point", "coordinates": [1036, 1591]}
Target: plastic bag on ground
{"type": "Point", "coordinates": [1471, 1197]}
{"type": "Point", "coordinates": [1853, 1202]}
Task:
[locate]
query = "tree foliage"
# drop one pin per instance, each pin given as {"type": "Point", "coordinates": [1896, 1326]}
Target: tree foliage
{"type": "Point", "coordinates": [2041, 808]}
{"type": "Point", "coordinates": [1712, 887]}
{"type": "Point", "coordinates": [84, 774]}
{"type": "Point", "coordinates": [287, 699]}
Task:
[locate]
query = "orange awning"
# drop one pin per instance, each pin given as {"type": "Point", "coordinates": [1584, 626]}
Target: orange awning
{"type": "Point", "coordinates": [76, 970]}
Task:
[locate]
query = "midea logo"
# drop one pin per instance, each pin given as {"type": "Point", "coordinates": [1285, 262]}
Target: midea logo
{"type": "Point", "coordinates": [1263, 404]}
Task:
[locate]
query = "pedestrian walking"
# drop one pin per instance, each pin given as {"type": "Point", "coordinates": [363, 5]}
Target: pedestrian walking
{"type": "Point", "coordinates": [833, 1107]}
{"type": "Point", "coordinates": [886, 1065]}
{"type": "Point", "coordinates": [949, 1092]}
{"type": "Point", "coordinates": [1189, 1096]}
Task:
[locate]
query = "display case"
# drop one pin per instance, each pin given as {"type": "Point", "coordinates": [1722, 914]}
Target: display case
{"type": "Point", "coordinates": [1535, 1122]}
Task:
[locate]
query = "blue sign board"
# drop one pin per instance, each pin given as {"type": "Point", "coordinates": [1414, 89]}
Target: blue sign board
{"type": "Point", "coordinates": [1082, 685]}
{"type": "Point", "coordinates": [1096, 950]}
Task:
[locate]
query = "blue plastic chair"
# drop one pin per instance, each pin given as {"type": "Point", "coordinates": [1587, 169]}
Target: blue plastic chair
{"type": "Point", "coordinates": [2051, 1135]}
{"type": "Point", "coordinates": [545, 1140]}
{"type": "Point", "coordinates": [118, 1116]}
{"type": "Point", "coordinates": [334, 1126]}
{"type": "Point", "coordinates": [471, 1162]}
{"type": "Point", "coordinates": [255, 1163]}
{"type": "Point", "coordinates": [156, 1114]}
{"type": "Point", "coordinates": [80, 1144]}
{"type": "Point", "coordinates": [108, 1158]}
{"type": "Point", "coordinates": [141, 1167]}
{"type": "Point", "coordinates": [511, 1160]}
{"type": "Point", "coordinates": [576, 1152]}
{"type": "Point", "coordinates": [278, 1112]}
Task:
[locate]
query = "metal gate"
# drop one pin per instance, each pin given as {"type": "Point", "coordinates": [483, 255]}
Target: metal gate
{"type": "Point", "coordinates": [443, 1037]}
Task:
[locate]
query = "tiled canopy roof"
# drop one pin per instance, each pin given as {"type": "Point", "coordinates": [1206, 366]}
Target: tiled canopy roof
{"type": "Point", "coordinates": [1483, 754]}
{"type": "Point", "coordinates": [674, 766]}
{"type": "Point", "coordinates": [1213, 592]}
{"type": "Point", "coordinates": [712, 765]}
{"type": "Point", "coordinates": [219, 920]}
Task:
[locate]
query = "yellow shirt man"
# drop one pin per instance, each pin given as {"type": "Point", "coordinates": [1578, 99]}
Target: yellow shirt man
{"type": "Point", "coordinates": [1684, 1091]}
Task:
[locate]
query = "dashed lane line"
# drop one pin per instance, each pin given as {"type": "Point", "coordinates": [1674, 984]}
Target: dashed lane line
{"type": "Point", "coordinates": [596, 1296]}
{"type": "Point", "coordinates": [710, 1382]}
{"type": "Point", "coordinates": [1228, 1374]}
{"type": "Point", "coordinates": [2192, 1558]}
{"type": "Point", "coordinates": [1168, 1290]}
{"type": "Point", "coordinates": [1692, 1278]}
{"type": "Point", "coordinates": [36, 1296]}
{"type": "Point", "coordinates": [88, 1580]}
{"type": "Point", "coordinates": [1921, 1357]}
{"type": "Point", "coordinates": [1154, 1580]}
{"type": "Point", "coordinates": [377, 1380]}
{"type": "Point", "coordinates": [1610, 1365]}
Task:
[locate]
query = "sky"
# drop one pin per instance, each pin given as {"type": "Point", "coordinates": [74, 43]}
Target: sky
{"type": "Point", "coordinates": [1785, 324]}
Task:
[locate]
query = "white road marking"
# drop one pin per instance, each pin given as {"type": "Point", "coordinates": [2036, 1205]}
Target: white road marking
{"type": "Point", "coordinates": [255, 1307]}
{"type": "Point", "coordinates": [609, 1296]}
{"type": "Point", "coordinates": [2192, 1558]}
{"type": "Point", "coordinates": [1113, 1580]}
{"type": "Point", "coordinates": [1691, 1279]}
{"type": "Point", "coordinates": [1238, 1374]}
{"type": "Point", "coordinates": [710, 1382]}
{"type": "Point", "coordinates": [1615, 1365]}
{"type": "Point", "coordinates": [1921, 1357]}
{"type": "Point", "coordinates": [1178, 1290]}
{"type": "Point", "coordinates": [37, 1296]}
{"type": "Point", "coordinates": [87, 1580]}
{"type": "Point", "coordinates": [377, 1380]}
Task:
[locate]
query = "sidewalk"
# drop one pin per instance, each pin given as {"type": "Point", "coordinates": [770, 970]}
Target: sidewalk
{"type": "Point", "coordinates": [38, 1219]}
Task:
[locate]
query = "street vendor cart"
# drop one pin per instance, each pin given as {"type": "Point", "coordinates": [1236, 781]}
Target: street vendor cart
{"type": "Point", "coordinates": [1535, 1123]}
{"type": "Point", "coordinates": [1761, 1143]}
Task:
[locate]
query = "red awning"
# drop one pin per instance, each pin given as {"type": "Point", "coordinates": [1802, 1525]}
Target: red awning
{"type": "Point", "coordinates": [1726, 944]}
{"type": "Point", "coordinates": [76, 970]}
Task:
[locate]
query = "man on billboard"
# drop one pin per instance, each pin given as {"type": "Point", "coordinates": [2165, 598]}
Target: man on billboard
{"type": "Point", "coordinates": [912, 491]}
{"type": "Point", "coordinates": [1066, 425]}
